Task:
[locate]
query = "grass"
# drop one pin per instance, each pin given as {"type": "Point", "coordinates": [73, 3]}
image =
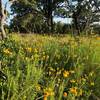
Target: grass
{"type": "Point", "coordinates": [42, 67]}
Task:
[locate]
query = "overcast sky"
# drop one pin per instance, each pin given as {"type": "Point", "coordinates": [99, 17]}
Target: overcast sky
{"type": "Point", "coordinates": [8, 5]}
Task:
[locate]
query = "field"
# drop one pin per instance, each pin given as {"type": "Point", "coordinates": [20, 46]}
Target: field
{"type": "Point", "coordinates": [42, 67]}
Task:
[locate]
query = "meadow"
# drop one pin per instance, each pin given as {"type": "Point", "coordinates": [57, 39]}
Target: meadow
{"type": "Point", "coordinates": [42, 67]}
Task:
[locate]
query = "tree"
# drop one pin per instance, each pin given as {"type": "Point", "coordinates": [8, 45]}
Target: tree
{"type": "Point", "coordinates": [2, 20]}
{"type": "Point", "coordinates": [24, 11]}
{"type": "Point", "coordinates": [84, 14]}
{"type": "Point", "coordinates": [3, 16]}
{"type": "Point", "coordinates": [37, 15]}
{"type": "Point", "coordinates": [27, 17]}
{"type": "Point", "coordinates": [33, 14]}
{"type": "Point", "coordinates": [48, 7]}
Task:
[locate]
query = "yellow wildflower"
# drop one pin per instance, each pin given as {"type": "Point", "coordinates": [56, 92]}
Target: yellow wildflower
{"type": "Point", "coordinates": [72, 71]}
{"type": "Point", "coordinates": [52, 93]}
{"type": "Point", "coordinates": [38, 88]}
{"type": "Point", "coordinates": [80, 92]}
{"type": "Point", "coordinates": [48, 92]}
{"type": "Point", "coordinates": [36, 56]}
{"type": "Point", "coordinates": [51, 69]}
{"type": "Point", "coordinates": [43, 53]}
{"type": "Point", "coordinates": [58, 72]}
{"type": "Point", "coordinates": [91, 73]}
{"type": "Point", "coordinates": [29, 49]}
{"type": "Point", "coordinates": [62, 69]}
{"type": "Point", "coordinates": [7, 51]}
{"type": "Point", "coordinates": [47, 57]}
{"type": "Point", "coordinates": [83, 79]}
{"type": "Point", "coordinates": [35, 50]}
{"type": "Point", "coordinates": [49, 72]}
{"type": "Point", "coordinates": [92, 83]}
{"type": "Point", "coordinates": [72, 81]}
{"type": "Point", "coordinates": [98, 38]}
{"type": "Point", "coordinates": [65, 73]}
{"type": "Point", "coordinates": [65, 94]}
{"type": "Point", "coordinates": [59, 80]}
{"type": "Point", "coordinates": [75, 55]}
{"type": "Point", "coordinates": [45, 98]}
{"type": "Point", "coordinates": [73, 90]}
{"type": "Point", "coordinates": [44, 57]}
{"type": "Point", "coordinates": [26, 58]}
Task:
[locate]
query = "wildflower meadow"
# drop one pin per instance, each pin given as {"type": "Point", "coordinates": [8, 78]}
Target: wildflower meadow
{"type": "Point", "coordinates": [42, 67]}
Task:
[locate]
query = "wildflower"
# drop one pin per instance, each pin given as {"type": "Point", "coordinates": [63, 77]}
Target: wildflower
{"type": "Point", "coordinates": [72, 81]}
{"type": "Point", "coordinates": [65, 94]}
{"type": "Point", "coordinates": [83, 79]}
{"type": "Point", "coordinates": [36, 56]}
{"type": "Point", "coordinates": [52, 93]}
{"type": "Point", "coordinates": [24, 97]}
{"type": "Point", "coordinates": [29, 49]}
{"type": "Point", "coordinates": [73, 90]}
{"type": "Point", "coordinates": [38, 88]}
{"type": "Point", "coordinates": [86, 77]}
{"type": "Point", "coordinates": [91, 73]}
{"type": "Point", "coordinates": [44, 57]}
{"type": "Point", "coordinates": [56, 63]}
{"type": "Point", "coordinates": [80, 92]}
{"type": "Point", "coordinates": [47, 57]}
{"type": "Point", "coordinates": [58, 72]}
{"type": "Point", "coordinates": [75, 56]}
{"type": "Point", "coordinates": [49, 72]}
{"type": "Point", "coordinates": [57, 68]}
{"type": "Point", "coordinates": [62, 69]}
{"type": "Point", "coordinates": [98, 38]}
{"type": "Point", "coordinates": [35, 50]}
{"type": "Point", "coordinates": [72, 71]}
{"type": "Point", "coordinates": [48, 92]}
{"type": "Point", "coordinates": [26, 58]}
{"type": "Point", "coordinates": [51, 69]}
{"type": "Point", "coordinates": [45, 98]}
{"type": "Point", "coordinates": [43, 53]}
{"type": "Point", "coordinates": [92, 83]}
{"type": "Point", "coordinates": [7, 51]}
{"type": "Point", "coordinates": [58, 56]}
{"type": "Point", "coordinates": [32, 57]}
{"type": "Point", "coordinates": [65, 74]}
{"type": "Point", "coordinates": [59, 80]}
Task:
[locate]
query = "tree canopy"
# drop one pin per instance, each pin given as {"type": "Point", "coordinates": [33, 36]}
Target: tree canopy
{"type": "Point", "coordinates": [36, 16]}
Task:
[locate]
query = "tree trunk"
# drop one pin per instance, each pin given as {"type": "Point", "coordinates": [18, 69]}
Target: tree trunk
{"type": "Point", "coordinates": [50, 16]}
{"type": "Point", "coordinates": [50, 23]}
{"type": "Point", "coordinates": [3, 17]}
{"type": "Point", "coordinates": [75, 17]}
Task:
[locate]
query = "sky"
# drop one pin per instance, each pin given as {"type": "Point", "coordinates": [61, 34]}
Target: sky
{"type": "Point", "coordinates": [8, 9]}
{"type": "Point", "coordinates": [8, 5]}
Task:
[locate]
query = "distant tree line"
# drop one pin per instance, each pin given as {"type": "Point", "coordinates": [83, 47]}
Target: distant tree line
{"type": "Point", "coordinates": [36, 16]}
